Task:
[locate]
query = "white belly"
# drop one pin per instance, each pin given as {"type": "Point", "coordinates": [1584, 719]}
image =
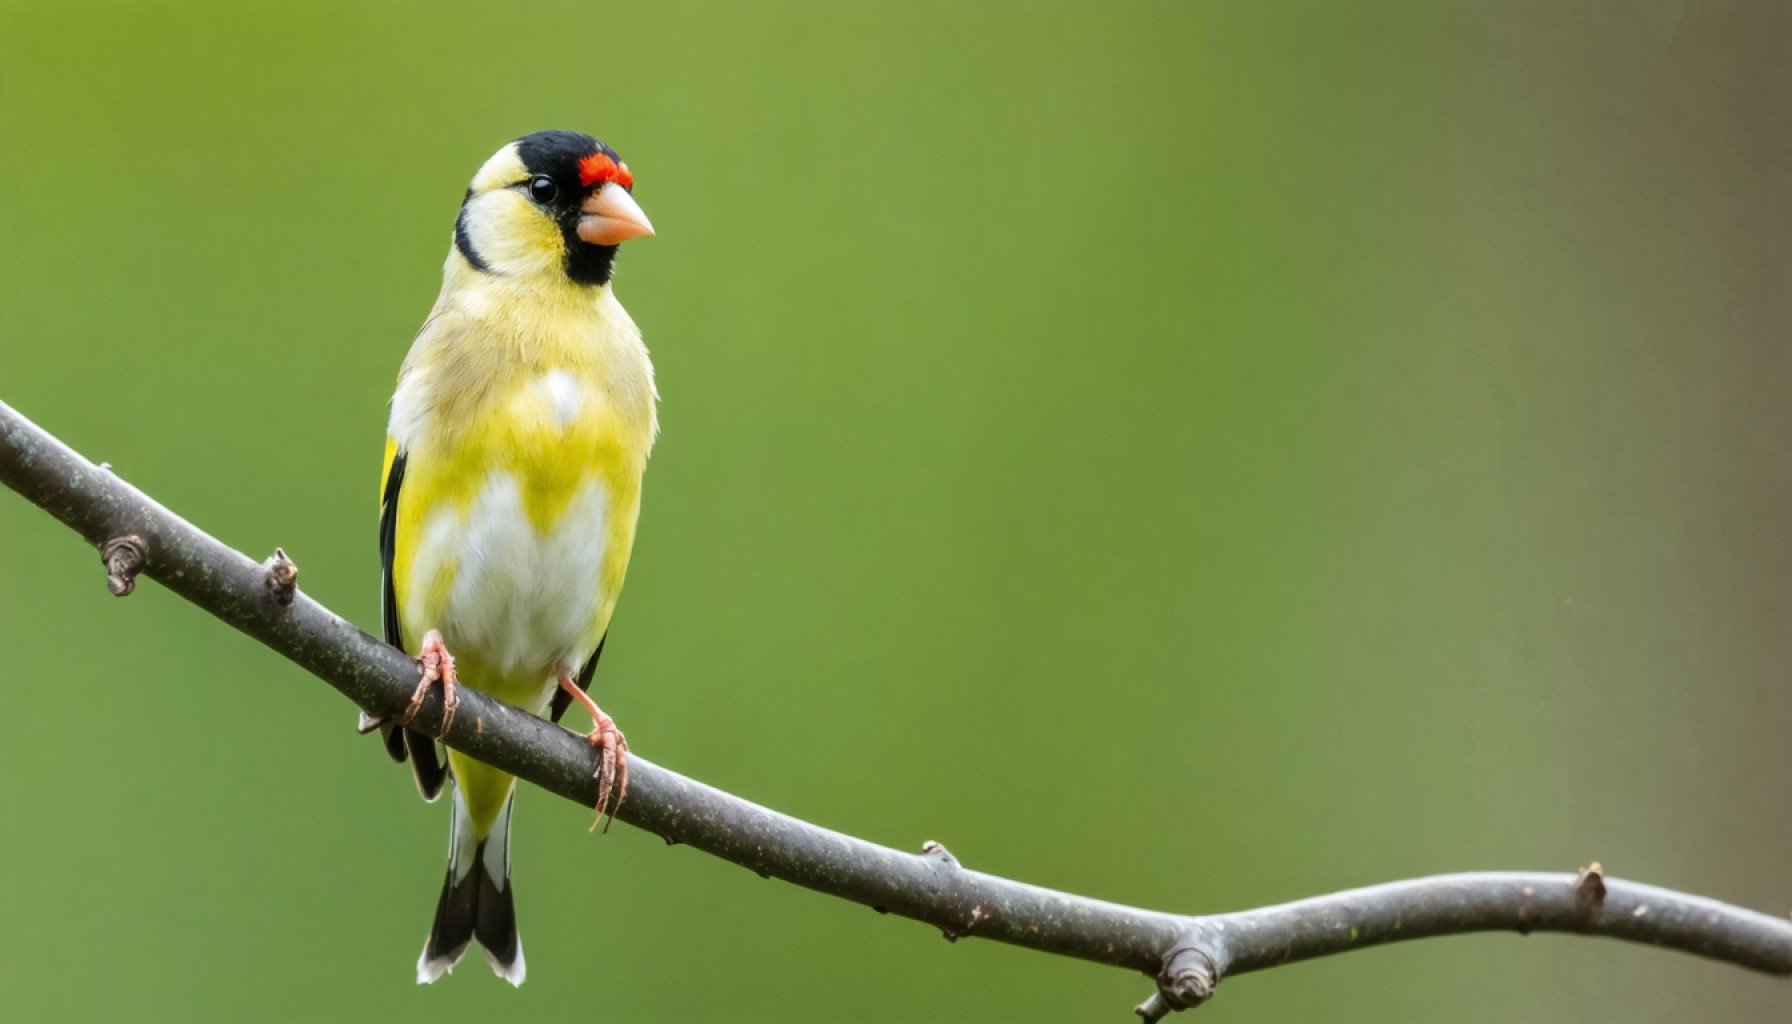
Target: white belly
{"type": "Point", "coordinates": [521, 601]}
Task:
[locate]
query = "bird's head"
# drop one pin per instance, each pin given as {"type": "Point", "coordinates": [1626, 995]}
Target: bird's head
{"type": "Point", "coordinates": [549, 203]}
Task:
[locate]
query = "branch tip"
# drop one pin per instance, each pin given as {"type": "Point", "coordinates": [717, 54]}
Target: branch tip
{"type": "Point", "coordinates": [1153, 1009]}
{"type": "Point", "coordinates": [283, 577]}
{"type": "Point", "coordinates": [123, 557]}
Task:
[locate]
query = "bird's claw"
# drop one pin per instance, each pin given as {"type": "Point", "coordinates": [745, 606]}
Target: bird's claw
{"type": "Point", "coordinates": [612, 769]}
{"type": "Point", "coordinates": [435, 663]}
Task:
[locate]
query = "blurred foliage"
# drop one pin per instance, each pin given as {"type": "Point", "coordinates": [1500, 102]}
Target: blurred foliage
{"type": "Point", "coordinates": [1196, 455]}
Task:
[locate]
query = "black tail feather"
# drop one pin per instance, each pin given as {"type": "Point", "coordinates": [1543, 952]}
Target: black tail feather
{"type": "Point", "coordinates": [453, 930]}
{"type": "Point", "coordinates": [478, 903]}
{"type": "Point", "coordinates": [494, 918]}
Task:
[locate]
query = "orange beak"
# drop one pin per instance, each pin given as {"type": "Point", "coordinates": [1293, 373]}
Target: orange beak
{"type": "Point", "coordinates": [612, 216]}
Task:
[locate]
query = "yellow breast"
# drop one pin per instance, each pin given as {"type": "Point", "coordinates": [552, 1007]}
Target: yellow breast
{"type": "Point", "coordinates": [525, 440]}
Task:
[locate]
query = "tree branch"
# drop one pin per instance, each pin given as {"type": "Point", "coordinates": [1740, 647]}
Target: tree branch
{"type": "Point", "coordinates": [1187, 955]}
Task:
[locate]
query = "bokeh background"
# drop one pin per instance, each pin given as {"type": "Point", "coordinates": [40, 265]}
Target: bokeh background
{"type": "Point", "coordinates": [1197, 455]}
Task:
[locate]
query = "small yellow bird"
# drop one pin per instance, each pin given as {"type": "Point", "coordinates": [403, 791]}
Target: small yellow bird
{"type": "Point", "coordinates": [519, 433]}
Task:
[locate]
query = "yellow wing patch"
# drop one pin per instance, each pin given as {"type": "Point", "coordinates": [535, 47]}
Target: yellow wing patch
{"type": "Point", "coordinates": [386, 467]}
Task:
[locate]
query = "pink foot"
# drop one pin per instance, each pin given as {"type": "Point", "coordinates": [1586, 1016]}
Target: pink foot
{"type": "Point", "coordinates": [435, 663]}
{"type": "Point", "coordinates": [612, 765]}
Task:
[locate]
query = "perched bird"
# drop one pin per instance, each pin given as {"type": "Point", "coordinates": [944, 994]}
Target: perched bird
{"type": "Point", "coordinates": [519, 432]}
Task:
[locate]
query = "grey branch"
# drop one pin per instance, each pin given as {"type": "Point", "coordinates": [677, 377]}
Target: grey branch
{"type": "Point", "coordinates": [1187, 955]}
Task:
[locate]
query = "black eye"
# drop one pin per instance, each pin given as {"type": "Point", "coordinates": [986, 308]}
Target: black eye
{"type": "Point", "coordinates": [543, 190]}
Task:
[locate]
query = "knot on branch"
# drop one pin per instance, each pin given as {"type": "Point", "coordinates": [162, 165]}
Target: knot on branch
{"type": "Point", "coordinates": [1188, 978]}
{"type": "Point", "coordinates": [282, 577]}
{"type": "Point", "coordinates": [1590, 886]}
{"type": "Point", "coordinates": [943, 860]}
{"type": "Point", "coordinates": [938, 852]}
{"type": "Point", "coordinates": [123, 557]}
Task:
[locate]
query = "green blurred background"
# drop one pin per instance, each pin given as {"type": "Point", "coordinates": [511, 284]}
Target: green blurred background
{"type": "Point", "coordinates": [1198, 455]}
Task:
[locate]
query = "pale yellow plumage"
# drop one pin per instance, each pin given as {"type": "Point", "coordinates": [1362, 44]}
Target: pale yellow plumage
{"type": "Point", "coordinates": [487, 413]}
{"type": "Point", "coordinates": [524, 413]}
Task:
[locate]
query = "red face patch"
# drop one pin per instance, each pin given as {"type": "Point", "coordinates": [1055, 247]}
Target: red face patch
{"type": "Point", "coordinates": [602, 167]}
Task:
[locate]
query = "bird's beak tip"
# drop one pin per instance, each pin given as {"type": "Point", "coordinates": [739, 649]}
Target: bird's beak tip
{"type": "Point", "coordinates": [611, 216]}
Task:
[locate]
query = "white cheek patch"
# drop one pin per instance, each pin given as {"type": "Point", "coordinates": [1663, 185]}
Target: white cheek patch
{"type": "Point", "coordinates": [510, 236]}
{"type": "Point", "coordinates": [565, 396]}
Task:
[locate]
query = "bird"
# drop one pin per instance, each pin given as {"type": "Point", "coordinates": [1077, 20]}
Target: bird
{"type": "Point", "coordinates": [518, 436]}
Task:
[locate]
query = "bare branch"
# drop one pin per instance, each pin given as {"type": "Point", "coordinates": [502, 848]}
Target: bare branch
{"type": "Point", "coordinates": [1186, 955]}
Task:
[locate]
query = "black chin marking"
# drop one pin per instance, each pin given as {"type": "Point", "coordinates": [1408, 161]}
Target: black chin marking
{"type": "Point", "coordinates": [464, 243]}
{"type": "Point", "coordinates": [587, 263]}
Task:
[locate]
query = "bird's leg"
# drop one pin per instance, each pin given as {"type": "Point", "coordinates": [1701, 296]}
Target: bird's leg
{"type": "Point", "coordinates": [612, 764]}
{"type": "Point", "coordinates": [435, 663]}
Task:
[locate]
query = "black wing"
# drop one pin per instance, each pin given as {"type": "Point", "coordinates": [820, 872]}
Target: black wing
{"type": "Point", "coordinates": [426, 760]}
{"type": "Point", "coordinates": [562, 699]}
